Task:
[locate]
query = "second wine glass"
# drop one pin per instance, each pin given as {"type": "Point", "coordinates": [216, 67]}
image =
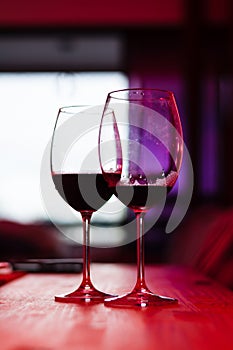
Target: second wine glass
{"type": "Point", "coordinates": [78, 179]}
{"type": "Point", "coordinates": [150, 135]}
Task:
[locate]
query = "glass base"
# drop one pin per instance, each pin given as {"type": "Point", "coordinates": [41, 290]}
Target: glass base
{"type": "Point", "coordinates": [140, 299]}
{"type": "Point", "coordinates": [83, 295]}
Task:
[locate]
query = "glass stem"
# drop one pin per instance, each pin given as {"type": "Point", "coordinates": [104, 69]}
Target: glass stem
{"type": "Point", "coordinates": [140, 284]}
{"type": "Point", "coordinates": [86, 218]}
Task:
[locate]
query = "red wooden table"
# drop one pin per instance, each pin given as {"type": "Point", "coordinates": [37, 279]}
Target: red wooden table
{"type": "Point", "coordinates": [31, 320]}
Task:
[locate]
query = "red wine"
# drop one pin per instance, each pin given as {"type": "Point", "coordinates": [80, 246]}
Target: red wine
{"type": "Point", "coordinates": [83, 192]}
{"type": "Point", "coordinates": [141, 197]}
{"type": "Point", "coordinates": [141, 192]}
{"type": "Point", "coordinates": [112, 178]}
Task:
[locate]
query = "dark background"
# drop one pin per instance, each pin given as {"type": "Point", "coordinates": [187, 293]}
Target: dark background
{"type": "Point", "coordinates": [186, 45]}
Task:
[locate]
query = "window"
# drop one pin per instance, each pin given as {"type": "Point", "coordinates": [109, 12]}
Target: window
{"type": "Point", "coordinates": [30, 102]}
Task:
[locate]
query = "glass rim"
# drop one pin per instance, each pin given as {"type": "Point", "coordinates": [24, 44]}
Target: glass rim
{"type": "Point", "coordinates": [167, 93]}
{"type": "Point", "coordinates": [71, 109]}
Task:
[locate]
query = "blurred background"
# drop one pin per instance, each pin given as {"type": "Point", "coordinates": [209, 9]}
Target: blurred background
{"type": "Point", "coordinates": [55, 53]}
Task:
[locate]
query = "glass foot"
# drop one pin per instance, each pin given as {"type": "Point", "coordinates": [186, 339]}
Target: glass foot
{"type": "Point", "coordinates": [140, 299]}
{"type": "Point", "coordinates": [83, 295]}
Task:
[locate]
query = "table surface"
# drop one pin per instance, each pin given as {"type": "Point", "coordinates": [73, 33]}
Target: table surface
{"type": "Point", "coordinates": [30, 319]}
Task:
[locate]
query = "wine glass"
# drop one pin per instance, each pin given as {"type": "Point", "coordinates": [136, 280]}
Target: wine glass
{"type": "Point", "coordinates": [150, 135]}
{"type": "Point", "coordinates": [78, 179]}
